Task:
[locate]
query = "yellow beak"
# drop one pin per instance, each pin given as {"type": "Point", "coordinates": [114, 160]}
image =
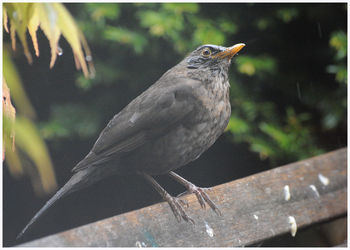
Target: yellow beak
{"type": "Point", "coordinates": [230, 52]}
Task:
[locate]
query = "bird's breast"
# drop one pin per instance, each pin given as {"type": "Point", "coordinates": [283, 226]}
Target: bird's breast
{"type": "Point", "coordinates": [214, 108]}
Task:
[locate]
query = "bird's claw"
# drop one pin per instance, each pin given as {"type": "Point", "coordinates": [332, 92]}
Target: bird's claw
{"type": "Point", "coordinates": [178, 210]}
{"type": "Point", "coordinates": [184, 203]}
{"type": "Point", "coordinates": [203, 198]}
{"type": "Point", "coordinates": [182, 194]}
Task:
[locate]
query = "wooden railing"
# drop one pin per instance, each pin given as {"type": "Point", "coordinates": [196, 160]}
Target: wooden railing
{"type": "Point", "coordinates": [255, 208]}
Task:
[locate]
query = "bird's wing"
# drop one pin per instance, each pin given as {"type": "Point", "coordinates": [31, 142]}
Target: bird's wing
{"type": "Point", "coordinates": [147, 117]}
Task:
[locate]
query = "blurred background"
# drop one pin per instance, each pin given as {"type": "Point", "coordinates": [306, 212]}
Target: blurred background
{"type": "Point", "coordinates": [288, 97]}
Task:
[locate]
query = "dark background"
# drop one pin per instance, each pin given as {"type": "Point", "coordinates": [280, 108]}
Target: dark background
{"type": "Point", "coordinates": [281, 84]}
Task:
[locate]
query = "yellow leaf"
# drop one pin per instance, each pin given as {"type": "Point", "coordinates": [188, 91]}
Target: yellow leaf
{"type": "Point", "coordinates": [14, 82]}
{"type": "Point", "coordinates": [33, 25]}
{"type": "Point", "coordinates": [13, 36]}
{"type": "Point", "coordinates": [48, 23]}
{"type": "Point", "coordinates": [53, 19]}
{"type": "Point", "coordinates": [10, 115]}
{"type": "Point", "coordinates": [8, 142]}
{"type": "Point", "coordinates": [88, 56]}
{"type": "Point", "coordinates": [20, 14]}
{"type": "Point", "coordinates": [72, 34]}
{"type": "Point", "coordinates": [12, 158]}
{"type": "Point", "coordinates": [4, 13]}
{"type": "Point", "coordinates": [29, 140]}
{"type": "Point", "coordinates": [27, 136]}
{"type": "Point", "coordinates": [76, 60]}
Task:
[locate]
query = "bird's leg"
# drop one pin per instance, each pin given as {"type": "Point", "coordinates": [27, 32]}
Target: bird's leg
{"type": "Point", "coordinates": [199, 192]}
{"type": "Point", "coordinates": [173, 202]}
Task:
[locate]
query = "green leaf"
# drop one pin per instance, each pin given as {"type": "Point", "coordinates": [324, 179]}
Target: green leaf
{"type": "Point", "coordinates": [338, 41]}
{"type": "Point", "coordinates": [263, 147]}
{"type": "Point", "coordinates": [106, 10]}
{"type": "Point", "coordinates": [250, 65]}
{"type": "Point", "coordinates": [287, 14]}
{"type": "Point", "coordinates": [28, 139]}
{"type": "Point", "coordinates": [124, 36]}
{"type": "Point", "coordinates": [206, 33]}
{"type": "Point", "coordinates": [179, 8]}
{"type": "Point", "coordinates": [276, 133]}
{"type": "Point", "coordinates": [237, 126]}
{"type": "Point", "coordinates": [69, 120]}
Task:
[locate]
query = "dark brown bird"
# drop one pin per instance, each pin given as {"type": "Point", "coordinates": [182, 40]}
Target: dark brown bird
{"type": "Point", "coordinates": [169, 125]}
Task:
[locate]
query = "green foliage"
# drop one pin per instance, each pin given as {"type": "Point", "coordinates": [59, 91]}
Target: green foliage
{"type": "Point", "coordinates": [21, 130]}
{"type": "Point", "coordinates": [290, 139]}
{"type": "Point", "coordinates": [272, 126]}
{"type": "Point", "coordinates": [20, 133]}
{"type": "Point", "coordinates": [15, 83]}
{"type": "Point", "coordinates": [288, 85]}
{"type": "Point", "coordinates": [103, 11]}
{"type": "Point", "coordinates": [238, 126]}
{"type": "Point", "coordinates": [176, 21]}
{"type": "Point", "coordinates": [29, 143]}
{"type": "Point", "coordinates": [335, 106]}
{"type": "Point", "coordinates": [124, 36]}
{"type": "Point", "coordinates": [263, 23]}
{"type": "Point", "coordinates": [70, 119]}
{"type": "Point", "coordinates": [287, 14]}
{"type": "Point", "coordinates": [249, 65]}
{"type": "Point", "coordinates": [339, 43]}
{"type": "Point", "coordinates": [207, 33]}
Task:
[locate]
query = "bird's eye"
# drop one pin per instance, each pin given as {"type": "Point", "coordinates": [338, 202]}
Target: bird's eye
{"type": "Point", "coordinates": [206, 52]}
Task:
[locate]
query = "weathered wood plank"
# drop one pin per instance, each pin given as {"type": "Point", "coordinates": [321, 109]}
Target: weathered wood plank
{"type": "Point", "coordinates": [254, 208]}
{"type": "Point", "coordinates": [342, 245]}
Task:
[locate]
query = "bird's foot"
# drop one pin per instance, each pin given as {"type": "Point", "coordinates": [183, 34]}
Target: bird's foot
{"type": "Point", "coordinates": [174, 202]}
{"type": "Point", "coordinates": [202, 197]}
{"type": "Point", "coordinates": [184, 202]}
{"type": "Point", "coordinates": [199, 192]}
{"type": "Point", "coordinates": [178, 210]}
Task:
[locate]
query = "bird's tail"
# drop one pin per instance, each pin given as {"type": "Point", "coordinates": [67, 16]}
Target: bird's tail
{"type": "Point", "coordinates": [76, 182]}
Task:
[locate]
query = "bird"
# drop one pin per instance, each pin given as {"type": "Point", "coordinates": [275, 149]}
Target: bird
{"type": "Point", "coordinates": [167, 126]}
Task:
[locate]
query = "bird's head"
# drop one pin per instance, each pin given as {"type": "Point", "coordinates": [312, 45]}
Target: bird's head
{"type": "Point", "coordinates": [212, 56]}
